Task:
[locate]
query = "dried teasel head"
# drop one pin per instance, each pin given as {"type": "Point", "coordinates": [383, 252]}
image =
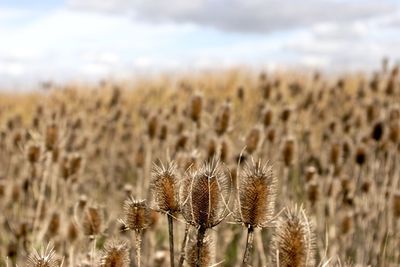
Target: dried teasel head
{"type": "Point", "coordinates": [52, 132]}
{"type": "Point", "coordinates": [206, 254]}
{"type": "Point", "coordinates": [223, 119]}
{"type": "Point", "coordinates": [33, 153]}
{"type": "Point", "coordinates": [92, 221]}
{"type": "Point", "coordinates": [288, 151]}
{"type": "Point", "coordinates": [293, 240]}
{"type": "Point", "coordinates": [165, 187]}
{"type": "Point", "coordinates": [204, 195]}
{"type": "Point", "coordinates": [196, 106]}
{"type": "Point", "coordinates": [152, 126]}
{"type": "Point", "coordinates": [253, 140]}
{"type": "Point", "coordinates": [257, 194]}
{"type": "Point", "coordinates": [46, 258]}
{"type": "Point", "coordinates": [116, 254]}
{"type": "Point", "coordinates": [396, 204]}
{"type": "Point", "coordinates": [137, 214]}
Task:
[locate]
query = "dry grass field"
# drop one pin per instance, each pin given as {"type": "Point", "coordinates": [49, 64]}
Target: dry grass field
{"type": "Point", "coordinates": [233, 168]}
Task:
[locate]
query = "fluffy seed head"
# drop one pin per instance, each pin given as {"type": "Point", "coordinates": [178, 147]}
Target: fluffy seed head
{"type": "Point", "coordinates": [165, 187]}
{"type": "Point", "coordinates": [257, 194]}
{"type": "Point", "coordinates": [293, 240]}
{"type": "Point", "coordinates": [116, 254]}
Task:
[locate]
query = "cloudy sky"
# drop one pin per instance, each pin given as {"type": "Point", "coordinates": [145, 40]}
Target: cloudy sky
{"type": "Point", "coordinates": [76, 39]}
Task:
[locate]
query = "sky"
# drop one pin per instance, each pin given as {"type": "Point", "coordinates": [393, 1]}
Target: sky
{"type": "Point", "coordinates": [73, 39]}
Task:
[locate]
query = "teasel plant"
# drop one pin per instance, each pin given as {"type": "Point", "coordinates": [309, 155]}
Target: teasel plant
{"type": "Point", "coordinates": [256, 194]}
{"type": "Point", "coordinates": [137, 219]}
{"type": "Point", "coordinates": [115, 254]}
{"type": "Point", "coordinates": [165, 191]}
{"type": "Point", "coordinates": [45, 258]}
{"type": "Point", "coordinates": [205, 198]}
{"type": "Point", "coordinates": [293, 241]}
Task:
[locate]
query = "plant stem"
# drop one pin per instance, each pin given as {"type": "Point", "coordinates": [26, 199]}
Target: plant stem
{"type": "Point", "coordinates": [182, 256]}
{"type": "Point", "coordinates": [249, 245]}
{"type": "Point", "coordinates": [138, 243]}
{"type": "Point", "coordinates": [171, 238]}
{"type": "Point", "coordinates": [200, 238]}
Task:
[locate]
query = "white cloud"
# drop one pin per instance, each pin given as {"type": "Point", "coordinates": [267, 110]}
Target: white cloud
{"type": "Point", "coordinates": [243, 15]}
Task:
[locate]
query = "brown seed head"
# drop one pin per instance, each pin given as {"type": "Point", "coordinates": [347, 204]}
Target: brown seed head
{"type": "Point", "coordinates": [196, 105]}
{"type": "Point", "coordinates": [116, 254]}
{"type": "Point", "coordinates": [137, 214]}
{"type": "Point", "coordinates": [165, 187]}
{"type": "Point", "coordinates": [293, 240]}
{"type": "Point", "coordinates": [223, 119]}
{"type": "Point", "coordinates": [205, 253]}
{"type": "Point", "coordinates": [288, 151]}
{"type": "Point", "coordinates": [51, 136]}
{"type": "Point", "coordinates": [253, 139]}
{"type": "Point", "coordinates": [203, 195]}
{"type": "Point", "coordinates": [257, 194]}
{"type": "Point", "coordinates": [92, 221]}
{"type": "Point", "coordinates": [46, 258]}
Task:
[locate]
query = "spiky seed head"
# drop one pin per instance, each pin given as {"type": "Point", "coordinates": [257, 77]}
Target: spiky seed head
{"type": "Point", "coordinates": [377, 131]}
{"type": "Point", "coordinates": [196, 106]}
{"type": "Point", "coordinates": [51, 136]}
{"type": "Point", "coordinates": [205, 253]}
{"type": "Point", "coordinates": [285, 114]}
{"type": "Point", "coordinates": [394, 132]}
{"type": "Point", "coordinates": [310, 173]}
{"type": "Point", "coordinates": [223, 119]}
{"type": "Point", "coordinates": [54, 224]}
{"type": "Point", "coordinates": [165, 187]}
{"type": "Point", "coordinates": [211, 148]}
{"type": "Point", "coordinates": [33, 153]}
{"type": "Point", "coordinates": [293, 240]}
{"type": "Point", "coordinates": [360, 156]}
{"type": "Point", "coordinates": [72, 232]}
{"type": "Point", "coordinates": [204, 195]}
{"type": "Point", "coordinates": [46, 258]}
{"type": "Point", "coordinates": [267, 117]}
{"type": "Point", "coordinates": [152, 126]}
{"type": "Point", "coordinates": [92, 220]}
{"type": "Point", "coordinates": [396, 204]}
{"type": "Point", "coordinates": [335, 154]}
{"type": "Point", "coordinates": [116, 254]}
{"type": "Point", "coordinates": [313, 192]}
{"type": "Point", "coordinates": [137, 214]}
{"type": "Point", "coordinates": [288, 151]}
{"type": "Point", "coordinates": [253, 139]}
{"type": "Point", "coordinates": [181, 141]}
{"type": "Point", "coordinates": [163, 132]}
{"type": "Point", "coordinates": [346, 223]}
{"type": "Point", "coordinates": [257, 194]}
{"type": "Point", "coordinates": [224, 150]}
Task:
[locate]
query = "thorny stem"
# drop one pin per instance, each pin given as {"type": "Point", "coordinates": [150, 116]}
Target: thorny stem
{"type": "Point", "coordinates": [93, 256]}
{"type": "Point", "coordinates": [249, 245]}
{"type": "Point", "coordinates": [182, 256]}
{"type": "Point", "coordinates": [138, 242]}
{"type": "Point", "coordinates": [200, 238]}
{"type": "Point", "coordinates": [171, 239]}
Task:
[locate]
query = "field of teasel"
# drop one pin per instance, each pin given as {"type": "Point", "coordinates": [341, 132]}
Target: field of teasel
{"type": "Point", "coordinates": [235, 168]}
